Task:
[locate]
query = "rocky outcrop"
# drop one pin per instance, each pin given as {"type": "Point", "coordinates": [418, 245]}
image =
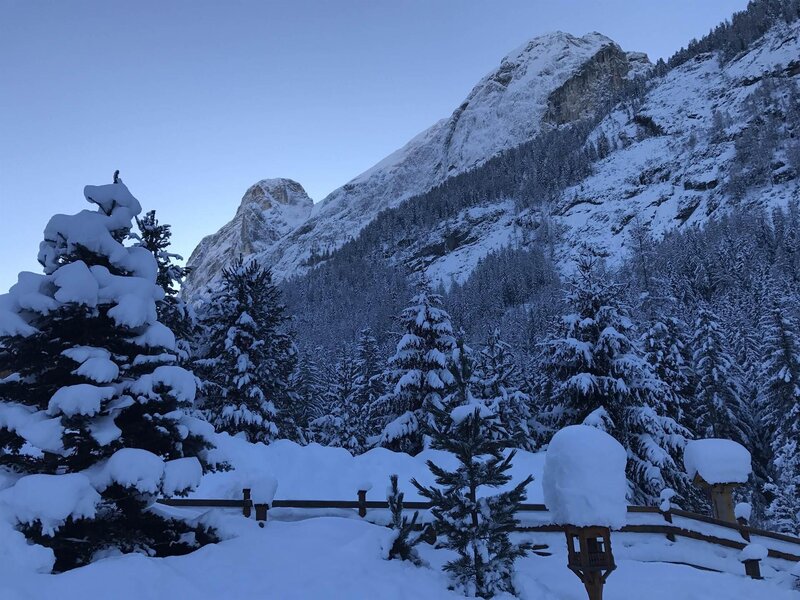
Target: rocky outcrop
{"type": "Point", "coordinates": [269, 210]}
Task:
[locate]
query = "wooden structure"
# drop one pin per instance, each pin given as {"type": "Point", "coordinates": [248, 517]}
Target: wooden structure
{"type": "Point", "coordinates": [668, 527]}
{"type": "Point", "coordinates": [589, 556]}
{"type": "Point", "coordinates": [720, 495]}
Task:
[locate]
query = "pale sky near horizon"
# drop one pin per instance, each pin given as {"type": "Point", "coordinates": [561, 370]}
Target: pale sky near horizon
{"type": "Point", "coordinates": [195, 100]}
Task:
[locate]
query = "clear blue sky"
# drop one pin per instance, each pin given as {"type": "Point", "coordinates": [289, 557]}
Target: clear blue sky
{"type": "Point", "coordinates": [196, 100]}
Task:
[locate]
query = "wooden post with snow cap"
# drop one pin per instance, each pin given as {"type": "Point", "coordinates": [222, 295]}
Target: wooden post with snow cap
{"type": "Point", "coordinates": [751, 557]}
{"type": "Point", "coordinates": [718, 466]}
{"type": "Point", "coordinates": [584, 486]}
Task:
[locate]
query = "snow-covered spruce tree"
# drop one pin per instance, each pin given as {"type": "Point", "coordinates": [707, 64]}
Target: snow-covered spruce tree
{"type": "Point", "coordinates": [346, 419]}
{"type": "Point", "coordinates": [247, 358]}
{"type": "Point", "coordinates": [418, 374]}
{"type": "Point", "coordinates": [667, 350]}
{"type": "Point", "coordinates": [718, 408]}
{"type": "Point", "coordinates": [780, 399]}
{"type": "Point", "coordinates": [172, 310]}
{"type": "Point", "coordinates": [309, 385]}
{"type": "Point", "coordinates": [498, 384]}
{"type": "Point", "coordinates": [369, 384]}
{"type": "Point", "coordinates": [474, 525]}
{"type": "Point", "coordinates": [594, 373]}
{"type": "Point", "coordinates": [94, 393]}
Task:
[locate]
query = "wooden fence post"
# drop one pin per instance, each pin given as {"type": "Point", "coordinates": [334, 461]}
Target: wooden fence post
{"type": "Point", "coordinates": [247, 503]}
{"type": "Point", "coordinates": [667, 514]}
{"type": "Point", "coordinates": [362, 503]}
{"type": "Point", "coordinates": [261, 513]}
{"type": "Point", "coordinates": [752, 569]}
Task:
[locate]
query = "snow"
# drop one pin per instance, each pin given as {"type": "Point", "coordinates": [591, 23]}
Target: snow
{"type": "Point", "coordinates": [137, 468]}
{"type": "Point", "coordinates": [743, 510]}
{"type": "Point", "coordinates": [717, 461]}
{"type": "Point", "coordinates": [329, 556]}
{"type": "Point", "coordinates": [181, 474]}
{"type": "Point", "coordinates": [101, 370]}
{"type": "Point", "coordinates": [584, 478]}
{"type": "Point", "coordinates": [182, 384]}
{"type": "Point", "coordinates": [36, 427]}
{"type": "Point", "coordinates": [157, 335]}
{"type": "Point", "coordinates": [79, 399]}
{"type": "Point", "coordinates": [50, 499]}
{"type": "Point", "coordinates": [76, 283]}
{"type": "Point", "coordinates": [753, 552]}
{"type": "Point", "coordinates": [262, 489]}
{"type": "Point", "coordinates": [459, 413]}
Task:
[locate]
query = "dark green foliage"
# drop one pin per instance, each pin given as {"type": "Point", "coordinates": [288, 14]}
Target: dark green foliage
{"type": "Point", "coordinates": [475, 526]}
{"type": "Point", "coordinates": [403, 546]}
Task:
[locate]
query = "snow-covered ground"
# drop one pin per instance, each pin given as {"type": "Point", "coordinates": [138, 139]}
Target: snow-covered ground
{"type": "Point", "coordinates": [301, 556]}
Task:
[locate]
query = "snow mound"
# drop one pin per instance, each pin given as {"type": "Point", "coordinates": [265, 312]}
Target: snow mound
{"type": "Point", "coordinates": [134, 467]}
{"type": "Point", "coordinates": [584, 478]}
{"type": "Point", "coordinates": [717, 461]}
{"type": "Point", "coordinates": [79, 399]}
{"type": "Point", "coordinates": [51, 499]}
{"type": "Point", "coordinates": [181, 475]}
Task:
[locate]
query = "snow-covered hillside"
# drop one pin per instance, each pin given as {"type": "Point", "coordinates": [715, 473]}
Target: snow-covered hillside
{"type": "Point", "coordinates": [335, 555]}
{"type": "Point", "coordinates": [672, 168]}
{"type": "Point", "coordinates": [554, 79]}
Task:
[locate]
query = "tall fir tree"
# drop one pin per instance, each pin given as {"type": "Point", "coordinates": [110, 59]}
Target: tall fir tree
{"type": "Point", "coordinates": [667, 350]}
{"type": "Point", "coordinates": [499, 385]}
{"type": "Point", "coordinates": [594, 373]}
{"type": "Point", "coordinates": [309, 385]}
{"type": "Point", "coordinates": [247, 357]}
{"type": "Point", "coordinates": [94, 387]}
{"type": "Point", "coordinates": [346, 419]}
{"type": "Point", "coordinates": [718, 407]}
{"type": "Point", "coordinates": [475, 525]}
{"type": "Point", "coordinates": [418, 374]}
{"type": "Point", "coordinates": [173, 311]}
{"type": "Point", "coordinates": [780, 402]}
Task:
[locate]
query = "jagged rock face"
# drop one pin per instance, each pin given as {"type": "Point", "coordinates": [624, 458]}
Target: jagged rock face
{"type": "Point", "coordinates": [552, 80]}
{"type": "Point", "coordinates": [269, 210]}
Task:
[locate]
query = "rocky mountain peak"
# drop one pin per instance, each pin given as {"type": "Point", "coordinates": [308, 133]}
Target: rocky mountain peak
{"type": "Point", "coordinates": [269, 193]}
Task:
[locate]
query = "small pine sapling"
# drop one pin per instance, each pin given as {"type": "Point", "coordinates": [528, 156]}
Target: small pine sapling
{"type": "Point", "coordinates": [405, 541]}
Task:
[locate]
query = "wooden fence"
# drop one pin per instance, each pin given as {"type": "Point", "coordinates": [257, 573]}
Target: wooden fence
{"type": "Point", "coordinates": [668, 528]}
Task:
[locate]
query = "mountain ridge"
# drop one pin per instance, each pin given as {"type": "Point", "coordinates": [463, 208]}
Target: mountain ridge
{"type": "Point", "coordinates": [508, 106]}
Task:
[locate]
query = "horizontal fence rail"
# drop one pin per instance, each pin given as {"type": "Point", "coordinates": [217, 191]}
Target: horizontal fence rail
{"type": "Point", "coordinates": [668, 529]}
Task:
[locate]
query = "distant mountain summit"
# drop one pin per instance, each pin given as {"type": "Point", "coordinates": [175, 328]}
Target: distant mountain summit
{"type": "Point", "coordinates": [269, 210]}
{"type": "Point", "coordinates": [552, 80]}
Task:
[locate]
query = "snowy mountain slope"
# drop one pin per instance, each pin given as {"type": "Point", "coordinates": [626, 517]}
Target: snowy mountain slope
{"type": "Point", "coordinates": [300, 555]}
{"type": "Point", "coordinates": [269, 210]}
{"type": "Point", "coordinates": [670, 168]}
{"type": "Point", "coordinates": [554, 79]}
{"type": "Point", "coordinates": [680, 176]}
